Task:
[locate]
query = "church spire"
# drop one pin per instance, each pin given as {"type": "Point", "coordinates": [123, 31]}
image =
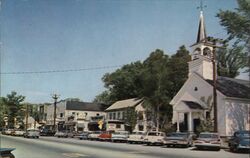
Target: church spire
{"type": "Point", "coordinates": [201, 30]}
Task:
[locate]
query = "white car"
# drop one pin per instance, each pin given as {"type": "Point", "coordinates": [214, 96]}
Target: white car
{"type": "Point", "coordinates": [9, 131]}
{"type": "Point", "coordinates": [120, 136]}
{"type": "Point", "coordinates": [61, 134]}
{"type": "Point", "coordinates": [94, 135]}
{"type": "Point", "coordinates": [18, 133]}
{"type": "Point", "coordinates": [31, 133]}
{"type": "Point", "coordinates": [136, 137]}
{"type": "Point", "coordinates": [154, 138]}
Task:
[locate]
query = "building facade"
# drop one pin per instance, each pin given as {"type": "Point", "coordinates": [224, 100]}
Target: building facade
{"type": "Point", "coordinates": [194, 101]}
{"type": "Point", "coordinates": [123, 109]}
{"type": "Point", "coordinates": [74, 115]}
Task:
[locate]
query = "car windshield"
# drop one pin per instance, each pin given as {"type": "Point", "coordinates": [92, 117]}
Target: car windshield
{"type": "Point", "coordinates": [208, 135]}
{"type": "Point", "coordinates": [244, 134]}
{"type": "Point", "coordinates": [178, 135]}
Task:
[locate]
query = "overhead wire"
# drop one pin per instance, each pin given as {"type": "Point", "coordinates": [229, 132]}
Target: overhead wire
{"type": "Point", "coordinates": [59, 71]}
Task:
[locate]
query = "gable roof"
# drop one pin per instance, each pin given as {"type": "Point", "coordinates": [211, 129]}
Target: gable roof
{"type": "Point", "coordinates": [124, 104]}
{"type": "Point", "coordinates": [193, 105]}
{"type": "Point", "coordinates": [231, 87]}
{"type": "Point", "coordinates": [85, 106]}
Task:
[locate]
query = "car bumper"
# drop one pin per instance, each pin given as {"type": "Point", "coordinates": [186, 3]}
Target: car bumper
{"type": "Point", "coordinates": [208, 145]}
{"type": "Point", "coordinates": [176, 143]}
{"type": "Point", "coordinates": [243, 147]}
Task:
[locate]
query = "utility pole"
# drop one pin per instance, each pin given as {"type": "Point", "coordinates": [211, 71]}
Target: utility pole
{"type": "Point", "coordinates": [214, 42]}
{"type": "Point", "coordinates": [215, 86]}
{"type": "Point", "coordinates": [26, 118]}
{"type": "Point", "coordinates": [55, 97]}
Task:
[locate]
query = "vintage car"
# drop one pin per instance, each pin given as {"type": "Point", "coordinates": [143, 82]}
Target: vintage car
{"type": "Point", "coordinates": [120, 136]}
{"type": "Point", "coordinates": [31, 133]}
{"type": "Point", "coordinates": [9, 131]}
{"type": "Point", "coordinates": [208, 140]}
{"type": "Point", "coordinates": [136, 137]}
{"type": "Point", "coordinates": [47, 132]}
{"type": "Point", "coordinates": [105, 136]}
{"type": "Point", "coordinates": [6, 152]}
{"type": "Point", "coordinates": [84, 135]}
{"type": "Point", "coordinates": [240, 141]}
{"type": "Point", "coordinates": [178, 139]}
{"type": "Point", "coordinates": [61, 134]}
{"type": "Point", "coordinates": [94, 135]}
{"type": "Point", "coordinates": [154, 138]}
{"type": "Point", "coordinates": [18, 132]}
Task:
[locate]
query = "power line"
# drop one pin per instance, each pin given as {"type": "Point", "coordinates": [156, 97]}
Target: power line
{"type": "Point", "coordinates": [59, 71]}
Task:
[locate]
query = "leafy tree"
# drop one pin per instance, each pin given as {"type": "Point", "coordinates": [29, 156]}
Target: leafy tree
{"type": "Point", "coordinates": [123, 83]}
{"type": "Point", "coordinates": [14, 107]}
{"type": "Point", "coordinates": [3, 112]}
{"type": "Point", "coordinates": [155, 80]}
{"type": "Point", "coordinates": [104, 98]}
{"type": "Point", "coordinates": [178, 70]}
{"type": "Point", "coordinates": [131, 117]}
{"type": "Point", "coordinates": [237, 24]}
{"type": "Point", "coordinates": [230, 61]}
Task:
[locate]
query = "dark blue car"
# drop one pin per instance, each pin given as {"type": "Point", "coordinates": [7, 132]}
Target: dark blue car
{"type": "Point", "coordinates": [240, 141]}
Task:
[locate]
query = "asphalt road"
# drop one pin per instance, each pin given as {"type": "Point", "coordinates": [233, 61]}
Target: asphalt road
{"type": "Point", "coordinates": [52, 147]}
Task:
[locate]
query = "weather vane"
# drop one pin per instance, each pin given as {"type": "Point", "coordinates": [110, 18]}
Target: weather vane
{"type": "Point", "coordinates": [201, 7]}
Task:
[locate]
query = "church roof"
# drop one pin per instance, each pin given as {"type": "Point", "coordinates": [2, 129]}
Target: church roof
{"type": "Point", "coordinates": [201, 36]}
{"type": "Point", "coordinates": [231, 87]}
{"type": "Point", "coordinates": [193, 105]}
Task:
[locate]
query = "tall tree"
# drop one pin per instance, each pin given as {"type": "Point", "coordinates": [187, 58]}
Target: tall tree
{"type": "Point", "coordinates": [231, 60]}
{"type": "Point", "coordinates": [3, 112]}
{"type": "Point", "coordinates": [14, 107]}
{"type": "Point", "coordinates": [123, 83]}
{"type": "Point", "coordinates": [237, 24]}
{"type": "Point", "coordinates": [155, 82]}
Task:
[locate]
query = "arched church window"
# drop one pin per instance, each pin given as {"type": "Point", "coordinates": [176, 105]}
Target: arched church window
{"type": "Point", "coordinates": [196, 53]}
{"type": "Point", "coordinates": [207, 52]}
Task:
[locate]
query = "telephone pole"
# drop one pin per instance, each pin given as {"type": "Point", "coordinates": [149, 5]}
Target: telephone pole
{"type": "Point", "coordinates": [26, 118]}
{"type": "Point", "coordinates": [55, 97]}
{"type": "Point", "coordinates": [214, 45]}
{"type": "Point", "coordinates": [215, 87]}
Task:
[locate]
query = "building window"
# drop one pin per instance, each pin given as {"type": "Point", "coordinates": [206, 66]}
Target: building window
{"type": "Point", "coordinates": [207, 114]}
{"type": "Point", "coordinates": [195, 89]}
{"type": "Point", "coordinates": [118, 126]}
{"type": "Point", "coordinates": [97, 114]}
{"type": "Point", "coordinates": [118, 115]}
{"type": "Point", "coordinates": [140, 115]}
{"type": "Point", "coordinates": [123, 115]}
{"type": "Point", "coordinates": [140, 127]}
{"type": "Point", "coordinates": [110, 116]}
{"type": "Point", "coordinates": [73, 113]}
{"type": "Point", "coordinates": [61, 114]}
{"type": "Point", "coordinates": [77, 114]}
{"type": "Point", "coordinates": [114, 116]}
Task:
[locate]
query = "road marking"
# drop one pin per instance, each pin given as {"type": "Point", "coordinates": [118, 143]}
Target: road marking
{"type": "Point", "coordinates": [74, 155]}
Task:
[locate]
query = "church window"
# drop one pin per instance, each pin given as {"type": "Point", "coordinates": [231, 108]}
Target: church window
{"type": "Point", "coordinates": [207, 52]}
{"type": "Point", "coordinates": [195, 88]}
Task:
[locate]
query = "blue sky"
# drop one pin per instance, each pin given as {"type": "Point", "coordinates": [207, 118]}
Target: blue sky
{"type": "Point", "coordinates": [40, 35]}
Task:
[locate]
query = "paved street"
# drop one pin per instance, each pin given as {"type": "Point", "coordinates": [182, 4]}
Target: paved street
{"type": "Point", "coordinates": [52, 147]}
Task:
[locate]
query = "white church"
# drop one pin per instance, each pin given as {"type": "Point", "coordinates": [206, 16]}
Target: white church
{"type": "Point", "coordinates": [194, 101]}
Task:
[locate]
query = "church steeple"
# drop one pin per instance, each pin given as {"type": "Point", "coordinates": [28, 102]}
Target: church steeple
{"type": "Point", "coordinates": [201, 62]}
{"type": "Point", "coordinates": [201, 36]}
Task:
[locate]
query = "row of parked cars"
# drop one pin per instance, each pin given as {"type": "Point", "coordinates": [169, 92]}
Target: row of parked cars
{"type": "Point", "coordinates": [30, 133]}
{"type": "Point", "coordinates": [207, 140]}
